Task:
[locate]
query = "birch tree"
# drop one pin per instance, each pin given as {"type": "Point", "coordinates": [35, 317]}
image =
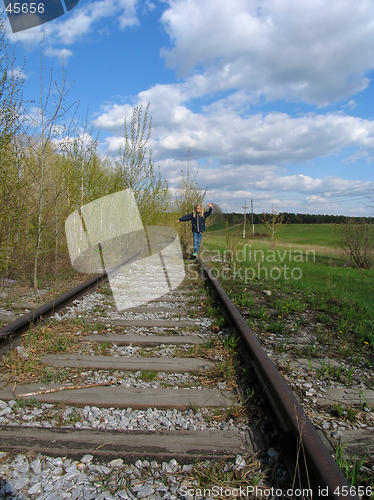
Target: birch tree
{"type": "Point", "coordinates": [273, 222]}
{"type": "Point", "coordinates": [50, 124]}
{"type": "Point", "coordinates": [137, 171]}
{"type": "Point", "coordinates": [11, 180]}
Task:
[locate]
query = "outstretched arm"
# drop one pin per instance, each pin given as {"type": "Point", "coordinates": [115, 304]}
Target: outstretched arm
{"type": "Point", "coordinates": [208, 212]}
{"type": "Point", "coordinates": [185, 217]}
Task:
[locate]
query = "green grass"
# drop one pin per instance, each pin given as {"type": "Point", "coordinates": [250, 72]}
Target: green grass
{"type": "Point", "coordinates": [324, 235]}
{"type": "Point", "coordinates": [54, 375]}
{"type": "Point", "coordinates": [149, 375]}
{"type": "Point", "coordinates": [304, 270]}
{"type": "Point", "coordinates": [351, 467]}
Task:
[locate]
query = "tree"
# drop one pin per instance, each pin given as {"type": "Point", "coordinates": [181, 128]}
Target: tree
{"type": "Point", "coordinates": [11, 180]}
{"type": "Point", "coordinates": [273, 221]}
{"type": "Point", "coordinates": [11, 83]}
{"type": "Point", "coordinates": [49, 128]}
{"type": "Point", "coordinates": [49, 166]}
{"type": "Point", "coordinates": [217, 216]}
{"type": "Point", "coordinates": [81, 166]}
{"type": "Point", "coordinates": [136, 169]}
{"type": "Point", "coordinates": [357, 240]}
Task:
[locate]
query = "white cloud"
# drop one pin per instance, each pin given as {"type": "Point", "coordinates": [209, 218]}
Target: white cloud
{"type": "Point", "coordinates": [113, 117]}
{"type": "Point", "coordinates": [245, 155]}
{"type": "Point", "coordinates": [318, 199]}
{"type": "Point", "coordinates": [18, 72]}
{"type": "Point", "coordinates": [227, 131]}
{"type": "Point", "coordinates": [233, 139]}
{"type": "Point", "coordinates": [316, 52]}
{"type": "Point", "coordinates": [61, 54]}
{"type": "Point", "coordinates": [351, 104]}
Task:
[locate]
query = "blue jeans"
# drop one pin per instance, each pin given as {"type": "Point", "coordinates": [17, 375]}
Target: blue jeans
{"type": "Point", "coordinates": [197, 237]}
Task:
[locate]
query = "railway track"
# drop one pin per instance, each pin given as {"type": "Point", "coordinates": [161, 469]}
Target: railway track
{"type": "Point", "coordinates": [146, 386]}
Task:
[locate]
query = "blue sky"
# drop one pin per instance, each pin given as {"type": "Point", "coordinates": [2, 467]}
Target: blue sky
{"type": "Point", "coordinates": [274, 98]}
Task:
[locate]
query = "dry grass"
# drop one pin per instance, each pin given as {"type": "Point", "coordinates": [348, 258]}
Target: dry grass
{"type": "Point", "coordinates": [225, 367]}
{"type": "Point", "coordinates": [237, 412]}
{"type": "Point", "coordinates": [212, 349]}
{"type": "Point", "coordinates": [25, 364]}
{"type": "Point", "coordinates": [20, 369]}
{"type": "Point", "coordinates": [51, 338]}
{"type": "Point", "coordinates": [226, 477]}
{"type": "Point", "coordinates": [16, 368]}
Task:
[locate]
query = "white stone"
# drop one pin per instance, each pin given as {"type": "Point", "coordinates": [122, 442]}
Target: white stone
{"type": "Point", "coordinates": [123, 494]}
{"type": "Point", "coordinates": [145, 491]}
{"type": "Point", "coordinates": [116, 463]}
{"type": "Point", "coordinates": [86, 459]}
{"type": "Point", "coordinates": [71, 475]}
{"type": "Point", "coordinates": [21, 482]}
{"type": "Point", "coordinates": [34, 489]}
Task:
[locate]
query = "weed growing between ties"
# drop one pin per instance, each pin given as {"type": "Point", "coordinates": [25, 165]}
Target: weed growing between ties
{"type": "Point", "coordinates": [102, 349]}
{"type": "Point", "coordinates": [31, 403]}
{"type": "Point", "coordinates": [353, 467]}
{"type": "Point", "coordinates": [55, 375]}
{"type": "Point", "coordinates": [149, 375]}
{"type": "Point", "coordinates": [224, 476]}
{"type": "Point", "coordinates": [224, 372]}
{"type": "Point", "coordinates": [24, 363]}
{"type": "Point", "coordinates": [16, 367]}
{"type": "Point", "coordinates": [219, 478]}
{"type": "Point", "coordinates": [52, 338]}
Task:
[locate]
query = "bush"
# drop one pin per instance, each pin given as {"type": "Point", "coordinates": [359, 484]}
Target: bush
{"type": "Point", "coordinates": [357, 240]}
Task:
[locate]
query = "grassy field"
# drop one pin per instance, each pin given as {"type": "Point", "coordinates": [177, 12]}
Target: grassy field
{"type": "Point", "coordinates": [305, 260]}
{"type": "Point", "coordinates": [324, 235]}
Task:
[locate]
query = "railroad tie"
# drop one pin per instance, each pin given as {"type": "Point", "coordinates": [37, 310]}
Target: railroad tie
{"type": "Point", "coordinates": [169, 365]}
{"type": "Point", "coordinates": [144, 340]}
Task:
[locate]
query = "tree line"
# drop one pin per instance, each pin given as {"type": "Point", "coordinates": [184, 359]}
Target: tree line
{"type": "Point", "coordinates": [292, 218]}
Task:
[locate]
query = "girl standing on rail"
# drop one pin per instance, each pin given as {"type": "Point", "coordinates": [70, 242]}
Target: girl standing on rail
{"type": "Point", "coordinates": [197, 217]}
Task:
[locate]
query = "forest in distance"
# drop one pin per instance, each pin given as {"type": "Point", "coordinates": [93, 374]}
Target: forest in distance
{"type": "Point", "coordinates": [292, 218]}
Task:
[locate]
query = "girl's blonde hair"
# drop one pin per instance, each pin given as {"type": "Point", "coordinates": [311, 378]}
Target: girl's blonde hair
{"type": "Point", "coordinates": [202, 210]}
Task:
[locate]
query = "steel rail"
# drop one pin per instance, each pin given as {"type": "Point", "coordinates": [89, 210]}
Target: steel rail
{"type": "Point", "coordinates": [286, 408]}
{"type": "Point", "coordinates": [46, 310]}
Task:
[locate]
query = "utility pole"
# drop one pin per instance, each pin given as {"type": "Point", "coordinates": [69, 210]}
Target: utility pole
{"type": "Point", "coordinates": [253, 226]}
{"type": "Point", "coordinates": [245, 216]}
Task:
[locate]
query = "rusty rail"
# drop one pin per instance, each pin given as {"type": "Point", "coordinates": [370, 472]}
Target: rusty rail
{"type": "Point", "coordinates": [323, 472]}
{"type": "Point", "coordinates": [46, 310]}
